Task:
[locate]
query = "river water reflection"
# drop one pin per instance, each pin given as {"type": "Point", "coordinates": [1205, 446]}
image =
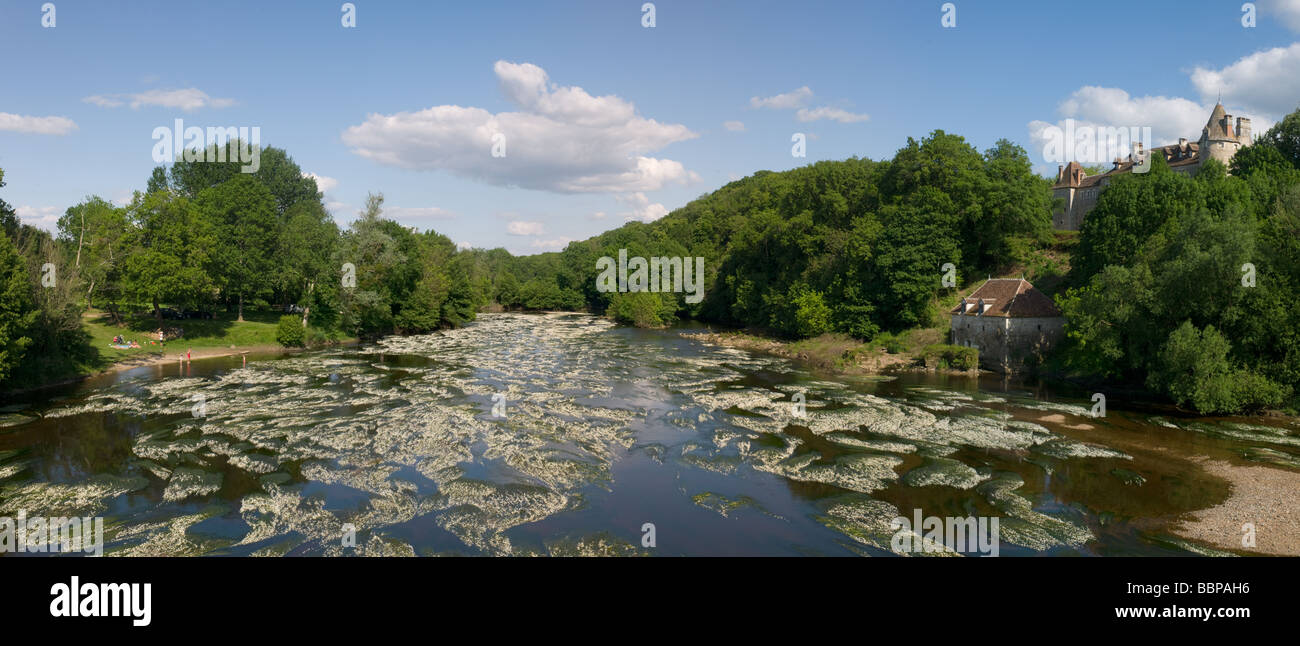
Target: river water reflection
{"type": "Point", "coordinates": [605, 429]}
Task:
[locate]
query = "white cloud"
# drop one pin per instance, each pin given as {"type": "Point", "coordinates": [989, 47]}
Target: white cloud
{"type": "Point", "coordinates": [642, 208]}
{"type": "Point", "coordinates": [1169, 118]}
{"type": "Point", "coordinates": [1266, 83]}
{"type": "Point", "coordinates": [734, 126]}
{"type": "Point", "coordinates": [42, 217]}
{"type": "Point", "coordinates": [1262, 86]}
{"type": "Point", "coordinates": [188, 99]}
{"type": "Point", "coordinates": [36, 125]}
{"type": "Point", "coordinates": [554, 244]}
{"type": "Point", "coordinates": [464, 245]}
{"type": "Point", "coordinates": [323, 184]}
{"type": "Point", "coordinates": [1288, 11]}
{"type": "Point", "coordinates": [598, 215]}
{"type": "Point", "coordinates": [834, 114]}
{"type": "Point", "coordinates": [417, 213]}
{"type": "Point", "coordinates": [787, 101]}
{"type": "Point", "coordinates": [523, 228]}
{"type": "Point", "coordinates": [562, 139]}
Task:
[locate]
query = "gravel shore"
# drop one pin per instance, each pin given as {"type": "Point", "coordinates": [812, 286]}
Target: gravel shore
{"type": "Point", "coordinates": [1265, 496]}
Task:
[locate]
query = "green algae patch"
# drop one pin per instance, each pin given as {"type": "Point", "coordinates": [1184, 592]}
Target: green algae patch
{"type": "Point", "coordinates": [943, 472]}
{"type": "Point", "coordinates": [725, 506]}
{"type": "Point", "coordinates": [1024, 526]}
{"type": "Point", "coordinates": [597, 544]}
{"type": "Point", "coordinates": [186, 482]}
{"type": "Point", "coordinates": [1067, 449]}
{"type": "Point", "coordinates": [1131, 478]}
{"type": "Point", "coordinates": [52, 500]}
{"type": "Point", "coordinates": [869, 522]}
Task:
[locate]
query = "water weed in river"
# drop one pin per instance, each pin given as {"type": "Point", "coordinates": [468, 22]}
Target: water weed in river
{"type": "Point", "coordinates": [405, 445]}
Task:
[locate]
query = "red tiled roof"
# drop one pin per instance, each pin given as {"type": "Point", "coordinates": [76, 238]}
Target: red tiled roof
{"type": "Point", "coordinates": [1012, 297]}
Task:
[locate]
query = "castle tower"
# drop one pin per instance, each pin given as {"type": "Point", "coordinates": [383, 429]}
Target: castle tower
{"type": "Point", "coordinates": [1221, 138]}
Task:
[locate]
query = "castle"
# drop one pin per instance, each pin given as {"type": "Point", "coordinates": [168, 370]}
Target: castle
{"type": "Point", "coordinates": [1221, 138]}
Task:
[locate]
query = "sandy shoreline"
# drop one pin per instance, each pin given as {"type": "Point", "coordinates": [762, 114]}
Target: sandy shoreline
{"type": "Point", "coordinates": [1262, 495]}
{"type": "Point", "coordinates": [152, 359]}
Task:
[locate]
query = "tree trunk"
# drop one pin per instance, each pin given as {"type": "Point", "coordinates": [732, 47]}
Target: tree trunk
{"type": "Point", "coordinates": [157, 313]}
{"type": "Point", "coordinates": [240, 318]}
{"type": "Point", "coordinates": [306, 309]}
{"type": "Point", "coordinates": [81, 237]}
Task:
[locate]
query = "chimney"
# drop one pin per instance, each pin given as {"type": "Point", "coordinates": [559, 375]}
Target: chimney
{"type": "Point", "coordinates": [1182, 142]}
{"type": "Point", "coordinates": [1060, 173]}
{"type": "Point", "coordinates": [1243, 130]}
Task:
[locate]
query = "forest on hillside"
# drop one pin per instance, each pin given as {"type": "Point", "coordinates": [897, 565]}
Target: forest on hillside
{"type": "Point", "coordinates": [1155, 294]}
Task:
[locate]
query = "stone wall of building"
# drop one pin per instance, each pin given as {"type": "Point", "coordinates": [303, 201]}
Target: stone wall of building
{"type": "Point", "coordinates": [1078, 202]}
{"type": "Point", "coordinates": [1008, 344]}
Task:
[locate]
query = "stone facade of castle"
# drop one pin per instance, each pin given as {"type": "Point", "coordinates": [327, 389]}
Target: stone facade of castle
{"type": "Point", "coordinates": [1220, 139]}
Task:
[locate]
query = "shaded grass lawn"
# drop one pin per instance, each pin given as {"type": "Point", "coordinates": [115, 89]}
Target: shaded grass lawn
{"type": "Point", "coordinates": [257, 329]}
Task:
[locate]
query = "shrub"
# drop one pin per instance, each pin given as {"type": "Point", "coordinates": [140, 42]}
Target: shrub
{"type": "Point", "coordinates": [290, 332]}
{"type": "Point", "coordinates": [953, 357]}
{"type": "Point", "coordinates": [317, 337]}
{"type": "Point", "coordinates": [643, 309]}
{"type": "Point", "coordinates": [811, 315]}
{"type": "Point", "coordinates": [1196, 372]}
{"type": "Point", "coordinates": [889, 342]}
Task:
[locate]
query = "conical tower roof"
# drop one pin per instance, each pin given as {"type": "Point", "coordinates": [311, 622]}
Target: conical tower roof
{"type": "Point", "coordinates": [1217, 127]}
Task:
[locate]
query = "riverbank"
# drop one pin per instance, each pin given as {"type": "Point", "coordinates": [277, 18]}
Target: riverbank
{"type": "Point", "coordinates": [842, 355]}
{"type": "Point", "coordinates": [1261, 514]}
{"type": "Point", "coordinates": [1259, 494]}
{"type": "Point", "coordinates": [203, 339]}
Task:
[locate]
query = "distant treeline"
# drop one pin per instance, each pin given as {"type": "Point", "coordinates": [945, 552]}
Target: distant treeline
{"type": "Point", "coordinates": [1186, 285]}
{"type": "Point", "coordinates": [855, 246]}
{"type": "Point", "coordinates": [204, 236]}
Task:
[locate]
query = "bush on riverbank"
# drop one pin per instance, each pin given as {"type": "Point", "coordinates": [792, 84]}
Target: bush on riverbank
{"type": "Point", "coordinates": [643, 309]}
{"type": "Point", "coordinates": [290, 333]}
{"type": "Point", "coordinates": [950, 357]}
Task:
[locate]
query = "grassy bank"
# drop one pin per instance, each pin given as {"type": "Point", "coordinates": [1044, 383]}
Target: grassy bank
{"type": "Point", "coordinates": [221, 335]}
{"type": "Point", "coordinates": [257, 329]}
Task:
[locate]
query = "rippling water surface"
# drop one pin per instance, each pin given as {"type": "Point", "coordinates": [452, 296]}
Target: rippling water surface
{"type": "Point", "coordinates": [606, 429]}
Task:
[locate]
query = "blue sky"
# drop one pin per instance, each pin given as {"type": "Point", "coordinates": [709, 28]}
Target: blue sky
{"type": "Point", "coordinates": [405, 103]}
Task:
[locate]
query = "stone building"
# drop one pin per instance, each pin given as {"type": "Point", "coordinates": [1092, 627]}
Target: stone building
{"type": "Point", "coordinates": [1221, 138]}
{"type": "Point", "coordinates": [1012, 324]}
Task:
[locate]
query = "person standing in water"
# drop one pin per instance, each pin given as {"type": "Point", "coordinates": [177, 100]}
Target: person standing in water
{"type": "Point", "coordinates": [187, 354]}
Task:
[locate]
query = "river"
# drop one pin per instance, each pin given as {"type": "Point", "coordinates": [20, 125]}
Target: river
{"type": "Point", "coordinates": [600, 432]}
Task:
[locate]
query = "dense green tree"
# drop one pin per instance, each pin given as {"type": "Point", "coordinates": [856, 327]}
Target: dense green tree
{"type": "Point", "coordinates": [95, 230]}
{"type": "Point", "coordinates": [1131, 209]}
{"type": "Point", "coordinates": [17, 311]}
{"type": "Point", "coordinates": [243, 212]}
{"type": "Point", "coordinates": [170, 255]}
{"type": "Point", "coordinates": [305, 253]}
{"type": "Point", "coordinates": [1284, 136]}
